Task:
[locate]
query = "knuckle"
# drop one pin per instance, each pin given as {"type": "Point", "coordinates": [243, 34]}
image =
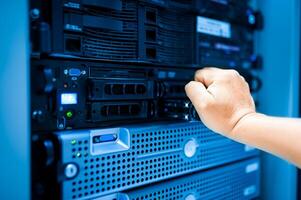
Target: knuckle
{"type": "Point", "coordinates": [233, 73]}
{"type": "Point", "coordinates": [247, 86]}
{"type": "Point", "coordinates": [229, 75]}
{"type": "Point", "coordinates": [226, 78]}
{"type": "Point", "coordinates": [198, 71]}
{"type": "Point", "coordinates": [207, 68]}
{"type": "Point", "coordinates": [242, 78]}
{"type": "Point", "coordinates": [189, 85]}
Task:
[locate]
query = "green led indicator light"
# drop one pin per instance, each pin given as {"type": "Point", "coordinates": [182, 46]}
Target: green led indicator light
{"type": "Point", "coordinates": [69, 114]}
{"type": "Point", "coordinates": [73, 142]}
{"type": "Point", "coordinates": [78, 155]}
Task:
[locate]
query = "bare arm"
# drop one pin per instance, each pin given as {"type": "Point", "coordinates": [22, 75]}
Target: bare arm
{"type": "Point", "coordinates": [223, 102]}
{"type": "Point", "coordinates": [279, 136]}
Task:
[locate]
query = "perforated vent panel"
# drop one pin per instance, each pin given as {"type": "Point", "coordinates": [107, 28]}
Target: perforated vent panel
{"type": "Point", "coordinates": [114, 45]}
{"type": "Point", "coordinates": [230, 182]}
{"type": "Point", "coordinates": [175, 37]}
{"type": "Point", "coordinates": [156, 152]}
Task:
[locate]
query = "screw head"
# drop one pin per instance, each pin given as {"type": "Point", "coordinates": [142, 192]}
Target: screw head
{"type": "Point", "coordinates": [71, 170]}
{"type": "Point", "coordinates": [35, 13]}
{"type": "Point", "coordinates": [190, 197]}
{"type": "Point", "coordinates": [190, 148]}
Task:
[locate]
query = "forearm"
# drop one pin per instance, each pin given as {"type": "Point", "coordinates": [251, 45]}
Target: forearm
{"type": "Point", "coordinates": [223, 101]}
{"type": "Point", "coordinates": [279, 136]}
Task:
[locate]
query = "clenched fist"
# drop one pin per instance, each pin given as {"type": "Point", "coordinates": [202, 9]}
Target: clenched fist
{"type": "Point", "coordinates": [221, 97]}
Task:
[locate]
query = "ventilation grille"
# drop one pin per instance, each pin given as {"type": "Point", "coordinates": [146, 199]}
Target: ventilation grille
{"type": "Point", "coordinates": [156, 153]}
{"type": "Point", "coordinates": [113, 45]}
{"type": "Point", "coordinates": [230, 182]}
{"type": "Point", "coordinates": [184, 2]}
{"type": "Point", "coordinates": [175, 38]}
{"type": "Point", "coordinates": [101, 72]}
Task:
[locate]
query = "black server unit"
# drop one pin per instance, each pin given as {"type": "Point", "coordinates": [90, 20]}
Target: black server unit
{"type": "Point", "coordinates": [110, 117]}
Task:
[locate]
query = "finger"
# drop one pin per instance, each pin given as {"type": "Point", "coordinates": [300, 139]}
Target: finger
{"type": "Point", "coordinates": [206, 75]}
{"type": "Point", "coordinates": [197, 93]}
{"type": "Point", "coordinates": [243, 78]}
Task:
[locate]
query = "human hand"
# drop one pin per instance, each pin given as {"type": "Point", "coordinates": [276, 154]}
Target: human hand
{"type": "Point", "coordinates": [221, 98]}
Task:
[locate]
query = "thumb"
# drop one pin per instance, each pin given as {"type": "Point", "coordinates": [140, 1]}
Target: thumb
{"type": "Point", "coordinates": [198, 94]}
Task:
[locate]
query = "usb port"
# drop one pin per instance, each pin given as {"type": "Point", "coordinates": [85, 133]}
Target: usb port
{"type": "Point", "coordinates": [104, 138]}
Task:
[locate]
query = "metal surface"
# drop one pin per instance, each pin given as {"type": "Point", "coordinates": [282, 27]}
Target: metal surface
{"type": "Point", "coordinates": [233, 181]}
{"type": "Point", "coordinates": [155, 152]}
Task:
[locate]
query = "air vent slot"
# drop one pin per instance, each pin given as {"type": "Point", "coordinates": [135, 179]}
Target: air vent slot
{"type": "Point", "coordinates": [151, 35]}
{"type": "Point", "coordinates": [99, 72]}
{"type": "Point", "coordinates": [73, 44]}
{"type": "Point", "coordinates": [151, 53]}
{"type": "Point", "coordinates": [151, 16]}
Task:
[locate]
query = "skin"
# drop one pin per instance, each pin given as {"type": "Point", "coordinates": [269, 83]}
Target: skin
{"type": "Point", "coordinates": [223, 101]}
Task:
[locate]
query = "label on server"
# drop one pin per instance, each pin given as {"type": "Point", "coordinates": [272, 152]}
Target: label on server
{"type": "Point", "coordinates": [213, 27]}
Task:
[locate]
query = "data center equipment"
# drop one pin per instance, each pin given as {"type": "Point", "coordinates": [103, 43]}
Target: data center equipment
{"type": "Point", "coordinates": [101, 161]}
{"type": "Point", "coordinates": [90, 94]}
{"type": "Point", "coordinates": [157, 32]}
{"type": "Point", "coordinates": [78, 94]}
{"type": "Point", "coordinates": [109, 111]}
{"type": "Point", "coordinates": [236, 181]}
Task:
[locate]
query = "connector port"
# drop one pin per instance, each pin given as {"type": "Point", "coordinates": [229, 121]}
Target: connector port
{"type": "Point", "coordinates": [112, 140]}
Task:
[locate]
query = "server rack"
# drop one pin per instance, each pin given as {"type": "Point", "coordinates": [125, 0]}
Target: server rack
{"type": "Point", "coordinates": [109, 110]}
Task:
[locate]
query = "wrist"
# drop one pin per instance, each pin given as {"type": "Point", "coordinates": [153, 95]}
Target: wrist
{"type": "Point", "coordinates": [242, 123]}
